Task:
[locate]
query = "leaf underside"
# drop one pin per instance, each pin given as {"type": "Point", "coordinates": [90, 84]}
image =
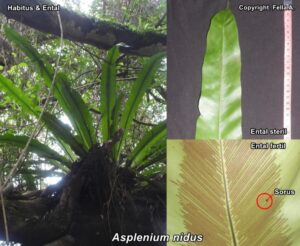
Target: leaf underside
{"type": "Point", "coordinates": [220, 101]}
{"type": "Point", "coordinates": [217, 186]}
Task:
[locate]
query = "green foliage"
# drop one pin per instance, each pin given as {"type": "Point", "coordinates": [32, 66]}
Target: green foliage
{"type": "Point", "coordinates": [19, 96]}
{"type": "Point", "coordinates": [81, 136]}
{"type": "Point", "coordinates": [153, 170]}
{"type": "Point", "coordinates": [148, 151]}
{"type": "Point", "coordinates": [220, 102]}
{"type": "Point", "coordinates": [139, 88]}
{"type": "Point", "coordinates": [157, 155]}
{"type": "Point", "coordinates": [64, 133]}
{"type": "Point", "coordinates": [146, 145]}
{"type": "Point", "coordinates": [69, 99]}
{"type": "Point", "coordinates": [59, 130]}
{"type": "Point", "coordinates": [111, 107]}
{"type": "Point", "coordinates": [138, 14]}
{"type": "Point", "coordinates": [35, 146]}
{"type": "Point", "coordinates": [79, 115]}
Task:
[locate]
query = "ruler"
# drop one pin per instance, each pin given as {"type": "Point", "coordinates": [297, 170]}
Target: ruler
{"type": "Point", "coordinates": [287, 88]}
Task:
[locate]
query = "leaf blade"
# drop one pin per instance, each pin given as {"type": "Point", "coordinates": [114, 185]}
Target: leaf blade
{"type": "Point", "coordinates": [108, 92]}
{"type": "Point", "coordinates": [63, 132]}
{"type": "Point", "coordinates": [116, 121]}
{"type": "Point", "coordinates": [220, 102]}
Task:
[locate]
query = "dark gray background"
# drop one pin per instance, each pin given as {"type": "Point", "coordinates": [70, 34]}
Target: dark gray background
{"type": "Point", "coordinates": [261, 41]}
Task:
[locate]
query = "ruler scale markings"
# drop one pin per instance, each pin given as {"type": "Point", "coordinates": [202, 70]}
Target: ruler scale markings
{"type": "Point", "coordinates": [287, 90]}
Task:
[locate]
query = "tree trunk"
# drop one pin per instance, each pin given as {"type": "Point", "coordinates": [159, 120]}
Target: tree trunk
{"type": "Point", "coordinates": [101, 34]}
{"type": "Point", "coordinates": [92, 203]}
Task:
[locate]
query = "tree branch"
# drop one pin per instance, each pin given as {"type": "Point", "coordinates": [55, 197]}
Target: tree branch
{"type": "Point", "coordinates": [101, 34]}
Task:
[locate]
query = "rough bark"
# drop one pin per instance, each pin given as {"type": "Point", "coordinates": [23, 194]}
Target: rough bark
{"type": "Point", "coordinates": [101, 34]}
{"type": "Point", "coordinates": [93, 202]}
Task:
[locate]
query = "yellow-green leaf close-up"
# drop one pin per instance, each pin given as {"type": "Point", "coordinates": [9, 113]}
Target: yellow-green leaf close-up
{"type": "Point", "coordinates": [213, 185]}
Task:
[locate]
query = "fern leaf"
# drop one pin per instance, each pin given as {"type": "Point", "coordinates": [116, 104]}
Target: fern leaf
{"type": "Point", "coordinates": [215, 185]}
{"type": "Point", "coordinates": [220, 102]}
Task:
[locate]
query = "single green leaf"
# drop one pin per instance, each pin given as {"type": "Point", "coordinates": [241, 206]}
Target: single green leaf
{"type": "Point", "coordinates": [65, 167]}
{"type": "Point", "coordinates": [139, 88]}
{"type": "Point", "coordinates": [220, 101]}
{"type": "Point", "coordinates": [145, 146]}
{"type": "Point", "coordinates": [117, 113]}
{"type": "Point", "coordinates": [108, 92]}
{"type": "Point", "coordinates": [68, 150]}
{"type": "Point", "coordinates": [35, 146]}
{"type": "Point", "coordinates": [70, 101]}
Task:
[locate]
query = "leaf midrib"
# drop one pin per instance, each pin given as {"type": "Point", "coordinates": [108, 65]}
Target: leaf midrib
{"type": "Point", "coordinates": [221, 84]}
{"type": "Point", "coordinates": [227, 198]}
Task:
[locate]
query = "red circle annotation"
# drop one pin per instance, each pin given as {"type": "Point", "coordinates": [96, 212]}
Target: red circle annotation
{"type": "Point", "coordinates": [264, 201]}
